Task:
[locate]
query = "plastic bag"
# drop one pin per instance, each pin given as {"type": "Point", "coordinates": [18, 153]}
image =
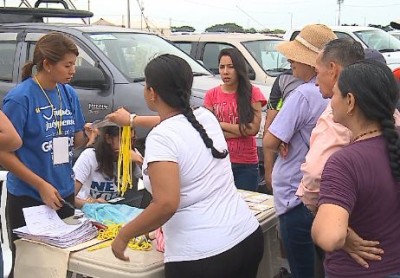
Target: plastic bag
{"type": "Point", "coordinates": [110, 213]}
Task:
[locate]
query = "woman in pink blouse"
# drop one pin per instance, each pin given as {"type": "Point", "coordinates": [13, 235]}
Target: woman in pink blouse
{"type": "Point", "coordinates": [237, 105]}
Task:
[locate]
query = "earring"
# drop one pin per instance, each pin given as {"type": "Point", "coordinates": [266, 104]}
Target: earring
{"type": "Point", "coordinates": [349, 113]}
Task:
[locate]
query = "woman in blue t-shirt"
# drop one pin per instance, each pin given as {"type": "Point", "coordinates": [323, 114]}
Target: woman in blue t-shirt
{"type": "Point", "coordinates": [47, 116]}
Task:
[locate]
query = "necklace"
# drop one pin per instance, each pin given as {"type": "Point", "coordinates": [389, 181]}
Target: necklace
{"type": "Point", "coordinates": [364, 134]}
{"type": "Point", "coordinates": [58, 123]}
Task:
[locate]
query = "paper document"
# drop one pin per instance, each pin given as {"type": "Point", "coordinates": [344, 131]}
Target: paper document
{"type": "Point", "coordinates": [42, 220]}
{"type": "Point", "coordinates": [43, 224]}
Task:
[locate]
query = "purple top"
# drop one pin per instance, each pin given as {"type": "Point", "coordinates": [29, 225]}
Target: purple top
{"type": "Point", "coordinates": [359, 179]}
{"type": "Point", "coordinates": [293, 125]}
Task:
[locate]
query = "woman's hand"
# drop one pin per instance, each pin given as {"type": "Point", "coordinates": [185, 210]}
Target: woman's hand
{"type": "Point", "coordinates": [121, 117]}
{"type": "Point", "coordinates": [100, 200]}
{"type": "Point", "coordinates": [118, 248]}
{"type": "Point", "coordinates": [91, 134]}
{"type": "Point", "coordinates": [50, 196]}
{"type": "Point", "coordinates": [283, 149]}
{"type": "Point", "coordinates": [136, 157]}
{"type": "Point", "coordinates": [361, 250]}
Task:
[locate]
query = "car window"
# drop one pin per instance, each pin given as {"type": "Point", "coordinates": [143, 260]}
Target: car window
{"type": "Point", "coordinates": [185, 46]}
{"type": "Point", "coordinates": [266, 55]}
{"type": "Point", "coordinates": [294, 34]}
{"type": "Point", "coordinates": [7, 57]}
{"type": "Point", "coordinates": [378, 39]}
{"type": "Point", "coordinates": [342, 35]}
{"type": "Point", "coordinates": [130, 52]}
{"type": "Point", "coordinates": [83, 60]}
{"type": "Point", "coordinates": [210, 55]}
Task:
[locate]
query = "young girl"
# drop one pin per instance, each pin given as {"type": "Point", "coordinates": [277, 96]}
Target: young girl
{"type": "Point", "coordinates": [95, 169]}
{"type": "Point", "coordinates": [237, 105]}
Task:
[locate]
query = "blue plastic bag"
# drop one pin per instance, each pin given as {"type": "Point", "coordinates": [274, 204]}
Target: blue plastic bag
{"type": "Point", "coordinates": [110, 213]}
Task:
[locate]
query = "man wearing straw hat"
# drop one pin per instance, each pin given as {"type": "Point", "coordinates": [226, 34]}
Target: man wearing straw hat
{"type": "Point", "coordinates": [292, 128]}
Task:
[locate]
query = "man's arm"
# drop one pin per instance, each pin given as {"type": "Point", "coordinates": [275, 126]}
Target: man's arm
{"type": "Point", "coordinates": [269, 155]}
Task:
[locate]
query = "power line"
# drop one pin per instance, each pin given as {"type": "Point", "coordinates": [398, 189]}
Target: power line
{"type": "Point", "coordinates": [371, 6]}
{"type": "Point", "coordinates": [249, 16]}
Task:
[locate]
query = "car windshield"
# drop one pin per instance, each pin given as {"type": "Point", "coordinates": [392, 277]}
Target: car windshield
{"type": "Point", "coordinates": [131, 52]}
{"type": "Point", "coordinates": [266, 55]}
{"type": "Point", "coordinates": [379, 40]}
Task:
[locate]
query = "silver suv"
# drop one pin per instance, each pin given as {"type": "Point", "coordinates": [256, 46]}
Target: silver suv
{"type": "Point", "coordinates": [263, 61]}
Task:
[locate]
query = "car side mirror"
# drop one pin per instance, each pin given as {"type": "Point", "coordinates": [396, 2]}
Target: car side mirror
{"type": "Point", "coordinates": [89, 77]}
{"type": "Point", "coordinates": [251, 74]}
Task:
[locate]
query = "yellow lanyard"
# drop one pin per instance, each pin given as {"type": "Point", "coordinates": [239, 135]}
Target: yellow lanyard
{"type": "Point", "coordinates": [58, 123]}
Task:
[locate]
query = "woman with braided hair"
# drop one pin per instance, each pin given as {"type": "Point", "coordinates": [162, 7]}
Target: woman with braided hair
{"type": "Point", "coordinates": [360, 184]}
{"type": "Point", "coordinates": [209, 230]}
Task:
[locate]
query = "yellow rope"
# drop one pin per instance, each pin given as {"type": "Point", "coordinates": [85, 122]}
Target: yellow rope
{"type": "Point", "coordinates": [139, 243]}
{"type": "Point", "coordinates": [124, 171]}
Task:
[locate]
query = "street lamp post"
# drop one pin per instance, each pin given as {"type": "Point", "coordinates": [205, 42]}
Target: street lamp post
{"type": "Point", "coordinates": [339, 2]}
{"type": "Point", "coordinates": [129, 14]}
{"type": "Point", "coordinates": [88, 8]}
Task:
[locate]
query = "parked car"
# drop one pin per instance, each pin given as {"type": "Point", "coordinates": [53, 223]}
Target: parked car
{"type": "Point", "coordinates": [395, 33]}
{"type": "Point", "coordinates": [369, 37]}
{"type": "Point", "coordinates": [109, 69]}
{"type": "Point", "coordinates": [263, 61]}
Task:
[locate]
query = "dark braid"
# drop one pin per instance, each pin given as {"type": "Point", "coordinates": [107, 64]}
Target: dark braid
{"type": "Point", "coordinates": [393, 144]}
{"type": "Point", "coordinates": [376, 93]}
{"type": "Point", "coordinates": [172, 78]}
{"type": "Point", "coordinates": [188, 113]}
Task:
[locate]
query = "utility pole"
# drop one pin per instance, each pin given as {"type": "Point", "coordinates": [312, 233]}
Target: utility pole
{"type": "Point", "coordinates": [291, 20]}
{"type": "Point", "coordinates": [339, 2]}
{"type": "Point", "coordinates": [88, 8]}
{"type": "Point", "coordinates": [129, 13]}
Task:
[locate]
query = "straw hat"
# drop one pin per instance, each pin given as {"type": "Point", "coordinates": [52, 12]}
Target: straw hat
{"type": "Point", "coordinates": [305, 47]}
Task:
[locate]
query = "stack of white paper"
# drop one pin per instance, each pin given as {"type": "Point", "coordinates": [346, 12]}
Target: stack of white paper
{"type": "Point", "coordinates": [44, 225]}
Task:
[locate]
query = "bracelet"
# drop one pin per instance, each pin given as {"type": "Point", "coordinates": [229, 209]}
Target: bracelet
{"type": "Point", "coordinates": [131, 118]}
{"type": "Point", "coordinates": [90, 200]}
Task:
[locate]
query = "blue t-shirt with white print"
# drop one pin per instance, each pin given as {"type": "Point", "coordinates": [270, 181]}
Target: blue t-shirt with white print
{"type": "Point", "coordinates": [31, 114]}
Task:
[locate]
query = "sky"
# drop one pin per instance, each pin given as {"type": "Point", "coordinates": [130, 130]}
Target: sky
{"type": "Point", "coordinates": [258, 14]}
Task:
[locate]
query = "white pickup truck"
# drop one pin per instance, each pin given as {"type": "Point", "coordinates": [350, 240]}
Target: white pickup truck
{"type": "Point", "coordinates": [369, 37]}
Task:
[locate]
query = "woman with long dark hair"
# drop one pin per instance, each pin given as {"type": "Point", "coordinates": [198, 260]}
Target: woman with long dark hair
{"type": "Point", "coordinates": [209, 230]}
{"type": "Point", "coordinates": [237, 105]}
{"type": "Point", "coordinates": [360, 184]}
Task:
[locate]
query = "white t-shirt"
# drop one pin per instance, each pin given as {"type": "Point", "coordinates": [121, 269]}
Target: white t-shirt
{"type": "Point", "coordinates": [94, 183]}
{"type": "Point", "coordinates": [212, 217]}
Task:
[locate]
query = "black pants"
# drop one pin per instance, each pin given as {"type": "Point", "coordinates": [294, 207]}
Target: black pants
{"type": "Point", "coordinates": [241, 261]}
{"type": "Point", "coordinates": [15, 217]}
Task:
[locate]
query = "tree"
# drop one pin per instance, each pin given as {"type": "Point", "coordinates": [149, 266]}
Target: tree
{"type": "Point", "coordinates": [226, 27]}
{"type": "Point", "coordinates": [182, 29]}
{"type": "Point", "coordinates": [251, 30]}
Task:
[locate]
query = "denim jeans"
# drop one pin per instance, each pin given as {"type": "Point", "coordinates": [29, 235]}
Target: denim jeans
{"type": "Point", "coordinates": [295, 231]}
{"type": "Point", "coordinates": [246, 176]}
